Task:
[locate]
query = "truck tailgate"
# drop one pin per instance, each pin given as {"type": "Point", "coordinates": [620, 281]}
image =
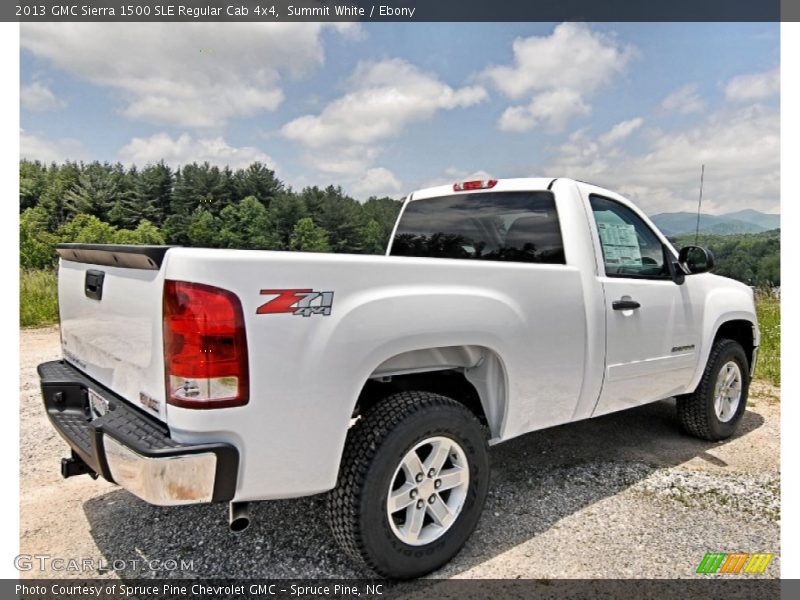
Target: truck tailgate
{"type": "Point", "coordinates": [110, 300]}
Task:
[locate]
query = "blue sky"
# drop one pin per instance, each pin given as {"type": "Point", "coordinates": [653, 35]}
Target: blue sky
{"type": "Point", "coordinates": [387, 108]}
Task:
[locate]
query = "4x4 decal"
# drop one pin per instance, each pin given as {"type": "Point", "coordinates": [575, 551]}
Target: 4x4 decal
{"type": "Point", "coordinates": [297, 302]}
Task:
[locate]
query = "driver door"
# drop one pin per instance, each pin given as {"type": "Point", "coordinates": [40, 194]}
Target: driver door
{"type": "Point", "coordinates": [651, 338]}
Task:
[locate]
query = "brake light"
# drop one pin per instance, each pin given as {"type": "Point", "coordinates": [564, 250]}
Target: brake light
{"type": "Point", "coordinates": [205, 347]}
{"type": "Point", "coordinates": [478, 184]}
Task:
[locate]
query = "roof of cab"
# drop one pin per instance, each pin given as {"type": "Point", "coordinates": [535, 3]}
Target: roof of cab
{"type": "Point", "coordinates": [503, 185]}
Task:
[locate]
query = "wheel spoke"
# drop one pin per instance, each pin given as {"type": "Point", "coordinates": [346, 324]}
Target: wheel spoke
{"type": "Point", "coordinates": [415, 517]}
{"type": "Point", "coordinates": [401, 497]}
{"type": "Point", "coordinates": [437, 457]}
{"type": "Point", "coordinates": [440, 513]}
{"type": "Point", "coordinates": [412, 465]}
{"type": "Point", "coordinates": [730, 376]}
{"type": "Point", "coordinates": [452, 478]}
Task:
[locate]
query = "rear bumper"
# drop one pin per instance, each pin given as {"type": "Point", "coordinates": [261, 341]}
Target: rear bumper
{"type": "Point", "coordinates": [129, 448]}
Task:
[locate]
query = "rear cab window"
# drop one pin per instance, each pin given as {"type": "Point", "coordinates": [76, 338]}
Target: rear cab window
{"type": "Point", "coordinates": [499, 226]}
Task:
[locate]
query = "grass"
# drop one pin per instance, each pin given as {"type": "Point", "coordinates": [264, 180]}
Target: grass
{"type": "Point", "coordinates": [768, 367]}
{"type": "Point", "coordinates": [38, 298]}
{"type": "Point", "coordinates": [38, 306]}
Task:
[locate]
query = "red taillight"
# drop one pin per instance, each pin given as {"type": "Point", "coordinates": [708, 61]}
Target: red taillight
{"type": "Point", "coordinates": [478, 184]}
{"type": "Point", "coordinates": [205, 347]}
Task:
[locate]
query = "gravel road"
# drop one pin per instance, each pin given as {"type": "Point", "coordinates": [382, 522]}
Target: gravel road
{"type": "Point", "coordinates": [626, 495]}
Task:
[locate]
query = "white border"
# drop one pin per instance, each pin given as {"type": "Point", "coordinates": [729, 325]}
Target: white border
{"type": "Point", "coordinates": [790, 249]}
{"type": "Point", "coordinates": [9, 300]}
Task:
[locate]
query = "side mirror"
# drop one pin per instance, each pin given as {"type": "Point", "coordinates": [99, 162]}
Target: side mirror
{"type": "Point", "coordinates": [696, 259]}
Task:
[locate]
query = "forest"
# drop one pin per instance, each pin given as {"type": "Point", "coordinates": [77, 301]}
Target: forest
{"type": "Point", "coordinates": [753, 258]}
{"type": "Point", "coordinates": [209, 206]}
{"type": "Point", "coordinates": [195, 205]}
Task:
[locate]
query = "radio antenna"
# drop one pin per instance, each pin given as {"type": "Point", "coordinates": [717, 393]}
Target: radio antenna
{"type": "Point", "coordinates": [699, 204]}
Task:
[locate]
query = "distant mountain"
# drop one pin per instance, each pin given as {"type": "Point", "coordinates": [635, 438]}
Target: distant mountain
{"type": "Point", "coordinates": [743, 221]}
{"type": "Point", "coordinates": [748, 215]}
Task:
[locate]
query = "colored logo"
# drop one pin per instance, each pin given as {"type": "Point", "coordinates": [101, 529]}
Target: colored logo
{"type": "Point", "coordinates": [737, 562]}
{"type": "Point", "coordinates": [297, 302]}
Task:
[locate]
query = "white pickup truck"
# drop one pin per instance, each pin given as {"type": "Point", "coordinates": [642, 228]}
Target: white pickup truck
{"type": "Point", "coordinates": [501, 307]}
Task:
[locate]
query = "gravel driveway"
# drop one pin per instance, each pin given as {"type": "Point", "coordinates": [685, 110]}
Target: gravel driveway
{"type": "Point", "coordinates": [625, 495]}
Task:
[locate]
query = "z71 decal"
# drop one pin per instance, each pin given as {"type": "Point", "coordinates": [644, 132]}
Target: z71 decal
{"type": "Point", "coordinates": [297, 302]}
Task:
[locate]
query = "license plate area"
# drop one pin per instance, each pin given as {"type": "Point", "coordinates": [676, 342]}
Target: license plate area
{"type": "Point", "coordinates": [98, 406]}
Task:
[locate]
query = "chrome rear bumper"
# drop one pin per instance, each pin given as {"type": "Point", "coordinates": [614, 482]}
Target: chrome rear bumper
{"type": "Point", "coordinates": [131, 449]}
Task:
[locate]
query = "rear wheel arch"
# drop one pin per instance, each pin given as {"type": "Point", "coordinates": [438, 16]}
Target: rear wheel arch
{"type": "Point", "coordinates": [474, 376]}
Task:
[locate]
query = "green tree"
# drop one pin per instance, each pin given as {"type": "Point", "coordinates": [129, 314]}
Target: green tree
{"type": "Point", "coordinates": [37, 246]}
{"type": "Point", "coordinates": [258, 181]}
{"type": "Point", "coordinates": [383, 211]}
{"type": "Point", "coordinates": [58, 180]}
{"type": "Point", "coordinates": [201, 186]}
{"type": "Point", "coordinates": [308, 237]}
{"type": "Point", "coordinates": [95, 192]}
{"type": "Point", "coordinates": [338, 214]}
{"type": "Point", "coordinates": [153, 190]}
{"type": "Point", "coordinates": [176, 229]}
{"type": "Point", "coordinates": [203, 229]}
{"type": "Point", "coordinates": [285, 211]}
{"type": "Point", "coordinates": [145, 233]}
{"type": "Point", "coordinates": [87, 229]}
{"type": "Point", "coordinates": [31, 183]}
{"type": "Point", "coordinates": [247, 225]}
{"type": "Point", "coordinates": [373, 238]}
{"type": "Point", "coordinates": [128, 207]}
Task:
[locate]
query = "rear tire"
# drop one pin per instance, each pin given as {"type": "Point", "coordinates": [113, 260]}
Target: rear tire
{"type": "Point", "coordinates": [717, 406]}
{"type": "Point", "coordinates": [442, 447]}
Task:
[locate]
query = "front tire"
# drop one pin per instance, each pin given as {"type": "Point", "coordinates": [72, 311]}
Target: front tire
{"type": "Point", "coordinates": [412, 484]}
{"type": "Point", "coordinates": [717, 406]}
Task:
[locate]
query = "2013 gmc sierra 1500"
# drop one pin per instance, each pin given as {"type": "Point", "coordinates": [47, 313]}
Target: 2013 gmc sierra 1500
{"type": "Point", "coordinates": [501, 307]}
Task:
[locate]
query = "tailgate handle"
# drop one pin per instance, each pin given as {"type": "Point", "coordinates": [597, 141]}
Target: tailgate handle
{"type": "Point", "coordinates": [94, 284]}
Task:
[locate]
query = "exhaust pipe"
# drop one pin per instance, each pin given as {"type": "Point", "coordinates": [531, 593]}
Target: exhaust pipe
{"type": "Point", "coordinates": [238, 516]}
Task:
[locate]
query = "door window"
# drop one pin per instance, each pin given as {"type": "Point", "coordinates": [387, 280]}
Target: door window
{"type": "Point", "coordinates": [630, 247]}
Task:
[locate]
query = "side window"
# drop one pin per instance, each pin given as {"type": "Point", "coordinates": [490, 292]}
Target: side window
{"type": "Point", "coordinates": [501, 226]}
{"type": "Point", "coordinates": [630, 248]}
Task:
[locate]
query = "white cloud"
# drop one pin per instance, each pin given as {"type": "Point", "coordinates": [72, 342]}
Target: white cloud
{"type": "Point", "coordinates": [684, 100]}
{"type": "Point", "coordinates": [183, 74]}
{"type": "Point", "coordinates": [385, 96]}
{"type": "Point", "coordinates": [347, 160]}
{"type": "Point", "coordinates": [186, 149]}
{"type": "Point", "coordinates": [740, 149]}
{"type": "Point", "coordinates": [38, 97]}
{"type": "Point", "coordinates": [37, 147]}
{"type": "Point", "coordinates": [557, 72]}
{"type": "Point", "coordinates": [573, 57]}
{"type": "Point", "coordinates": [621, 131]}
{"type": "Point", "coordinates": [555, 108]}
{"type": "Point", "coordinates": [376, 182]}
{"type": "Point", "coordinates": [754, 86]}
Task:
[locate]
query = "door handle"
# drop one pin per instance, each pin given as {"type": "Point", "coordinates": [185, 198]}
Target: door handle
{"type": "Point", "coordinates": [625, 304]}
